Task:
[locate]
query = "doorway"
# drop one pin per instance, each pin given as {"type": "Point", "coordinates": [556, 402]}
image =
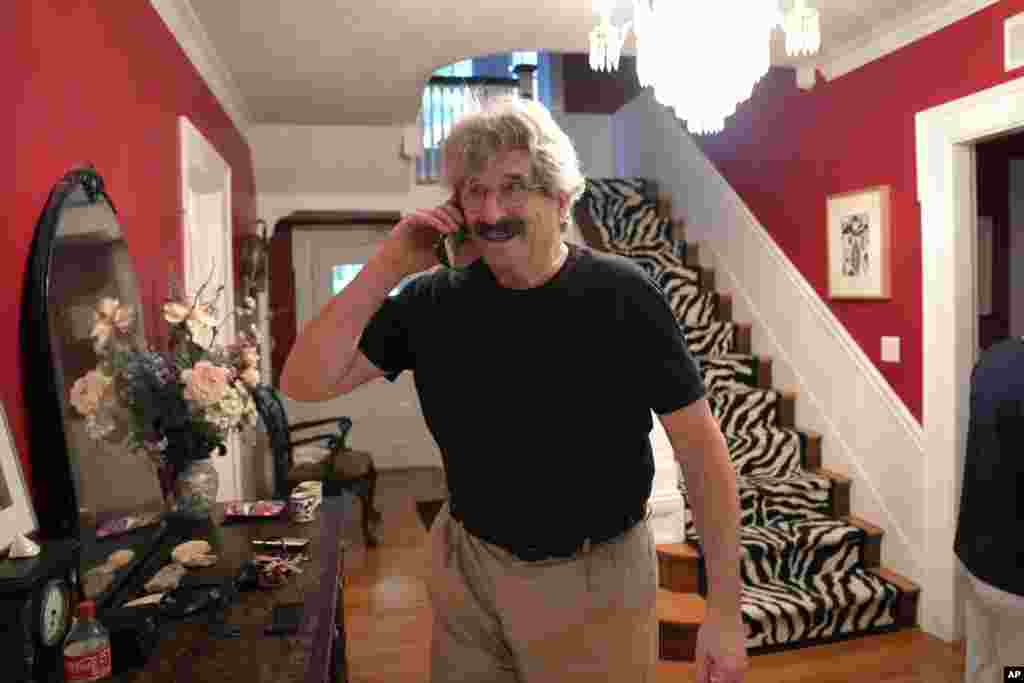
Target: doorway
{"type": "Point", "coordinates": [946, 137]}
{"type": "Point", "coordinates": [1000, 192]}
{"type": "Point", "coordinates": [206, 208]}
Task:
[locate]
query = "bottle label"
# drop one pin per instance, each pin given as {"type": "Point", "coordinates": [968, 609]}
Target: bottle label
{"type": "Point", "coordinates": [94, 666]}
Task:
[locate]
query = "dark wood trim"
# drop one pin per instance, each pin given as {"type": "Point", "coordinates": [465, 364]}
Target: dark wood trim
{"type": "Point", "coordinates": [723, 306]}
{"type": "Point", "coordinates": [706, 278]}
{"type": "Point", "coordinates": [473, 80]}
{"type": "Point", "coordinates": [281, 270]}
{"type": "Point", "coordinates": [318, 628]}
{"type": "Point", "coordinates": [787, 408]}
{"type": "Point", "coordinates": [871, 548]}
{"type": "Point", "coordinates": [839, 500]}
{"type": "Point", "coordinates": [588, 229]}
{"type": "Point", "coordinates": [812, 450]}
{"type": "Point", "coordinates": [764, 371]}
{"type": "Point", "coordinates": [910, 592]}
{"type": "Point", "coordinates": [691, 254]}
{"type": "Point", "coordinates": [336, 219]}
{"type": "Point", "coordinates": [741, 338]}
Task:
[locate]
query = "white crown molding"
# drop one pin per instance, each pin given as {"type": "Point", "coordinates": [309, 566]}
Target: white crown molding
{"type": "Point", "coordinates": [891, 36]}
{"type": "Point", "coordinates": [183, 22]}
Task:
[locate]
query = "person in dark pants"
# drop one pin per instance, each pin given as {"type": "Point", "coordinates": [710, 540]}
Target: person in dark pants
{"type": "Point", "coordinates": [537, 364]}
{"type": "Point", "coordinates": [990, 527]}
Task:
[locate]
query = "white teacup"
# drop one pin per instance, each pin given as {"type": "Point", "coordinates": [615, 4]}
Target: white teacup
{"type": "Point", "coordinates": [304, 500]}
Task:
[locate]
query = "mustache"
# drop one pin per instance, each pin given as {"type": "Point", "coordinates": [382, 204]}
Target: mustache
{"type": "Point", "coordinates": [506, 228]}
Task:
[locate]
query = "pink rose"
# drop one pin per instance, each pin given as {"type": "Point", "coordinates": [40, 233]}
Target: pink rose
{"type": "Point", "coordinates": [205, 383]}
{"type": "Point", "coordinates": [251, 377]}
{"type": "Point", "coordinates": [88, 391]}
{"type": "Point", "coordinates": [250, 356]}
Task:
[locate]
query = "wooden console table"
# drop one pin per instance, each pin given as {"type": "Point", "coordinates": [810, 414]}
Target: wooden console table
{"type": "Point", "coordinates": [187, 652]}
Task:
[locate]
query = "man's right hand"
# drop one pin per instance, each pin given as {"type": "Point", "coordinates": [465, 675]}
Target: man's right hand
{"type": "Point", "coordinates": [411, 242]}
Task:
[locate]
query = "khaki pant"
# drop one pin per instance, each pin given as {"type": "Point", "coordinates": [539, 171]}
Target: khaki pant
{"type": "Point", "coordinates": [498, 619]}
{"type": "Point", "coordinates": [995, 631]}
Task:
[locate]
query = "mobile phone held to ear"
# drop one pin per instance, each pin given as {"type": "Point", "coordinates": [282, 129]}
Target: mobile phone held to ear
{"type": "Point", "coordinates": [285, 619]}
{"type": "Point", "coordinates": [447, 245]}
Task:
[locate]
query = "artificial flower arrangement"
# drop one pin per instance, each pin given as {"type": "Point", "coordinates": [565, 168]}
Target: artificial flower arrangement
{"type": "Point", "coordinates": [176, 405]}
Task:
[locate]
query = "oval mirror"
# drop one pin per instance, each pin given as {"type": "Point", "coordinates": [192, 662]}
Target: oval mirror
{"type": "Point", "coordinates": [78, 257]}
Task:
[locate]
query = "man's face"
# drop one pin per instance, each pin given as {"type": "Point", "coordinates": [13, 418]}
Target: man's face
{"type": "Point", "coordinates": [510, 219]}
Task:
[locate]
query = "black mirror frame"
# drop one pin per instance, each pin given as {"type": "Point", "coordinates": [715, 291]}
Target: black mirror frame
{"type": "Point", "coordinates": [58, 511]}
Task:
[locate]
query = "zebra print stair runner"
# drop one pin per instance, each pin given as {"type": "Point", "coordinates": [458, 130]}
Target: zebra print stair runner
{"type": "Point", "coordinates": [804, 576]}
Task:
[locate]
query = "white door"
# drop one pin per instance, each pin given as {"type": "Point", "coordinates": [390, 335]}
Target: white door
{"type": "Point", "coordinates": [206, 207]}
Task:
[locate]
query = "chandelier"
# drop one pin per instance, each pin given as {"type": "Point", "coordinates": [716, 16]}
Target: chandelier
{"type": "Point", "coordinates": [701, 63]}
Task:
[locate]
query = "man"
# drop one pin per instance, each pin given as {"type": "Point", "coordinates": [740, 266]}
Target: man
{"type": "Point", "coordinates": [537, 364]}
{"type": "Point", "coordinates": [990, 528]}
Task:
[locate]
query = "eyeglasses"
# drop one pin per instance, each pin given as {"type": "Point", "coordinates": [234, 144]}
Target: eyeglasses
{"type": "Point", "coordinates": [511, 195]}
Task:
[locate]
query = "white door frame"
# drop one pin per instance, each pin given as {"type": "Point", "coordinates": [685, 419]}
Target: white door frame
{"type": "Point", "coordinates": [206, 179]}
{"type": "Point", "coordinates": [946, 136]}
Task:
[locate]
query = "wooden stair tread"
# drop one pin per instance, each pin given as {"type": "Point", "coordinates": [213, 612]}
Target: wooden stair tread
{"type": "Point", "coordinates": [679, 551]}
{"type": "Point", "coordinates": [903, 583]}
{"type": "Point", "coordinates": [680, 608]}
{"type": "Point", "coordinates": [869, 528]}
{"type": "Point", "coordinates": [830, 474]}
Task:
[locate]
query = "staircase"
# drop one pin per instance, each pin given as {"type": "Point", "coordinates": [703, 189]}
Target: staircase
{"type": "Point", "coordinates": [811, 571]}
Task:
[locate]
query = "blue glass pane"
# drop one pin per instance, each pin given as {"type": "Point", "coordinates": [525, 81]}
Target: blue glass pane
{"type": "Point", "coordinates": [463, 69]}
{"type": "Point", "coordinates": [343, 274]}
{"type": "Point", "coordinates": [523, 58]}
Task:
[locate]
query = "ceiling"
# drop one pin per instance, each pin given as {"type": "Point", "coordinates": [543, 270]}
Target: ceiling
{"type": "Point", "coordinates": [359, 62]}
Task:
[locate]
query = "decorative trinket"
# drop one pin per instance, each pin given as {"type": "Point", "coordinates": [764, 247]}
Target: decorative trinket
{"type": "Point", "coordinates": [275, 571]}
{"type": "Point", "coordinates": [120, 558]}
{"type": "Point", "coordinates": [146, 600]}
{"type": "Point", "coordinates": [22, 546]}
{"type": "Point", "coordinates": [97, 580]}
{"type": "Point", "coordinates": [166, 579]}
{"type": "Point", "coordinates": [194, 554]}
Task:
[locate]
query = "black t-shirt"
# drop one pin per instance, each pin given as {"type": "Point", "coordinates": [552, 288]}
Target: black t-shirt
{"type": "Point", "coordinates": [540, 399]}
{"type": "Point", "coordinates": [990, 527]}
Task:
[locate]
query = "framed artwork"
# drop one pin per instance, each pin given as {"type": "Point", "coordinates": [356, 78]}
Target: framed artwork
{"type": "Point", "coordinates": [859, 244]}
{"type": "Point", "coordinates": [17, 516]}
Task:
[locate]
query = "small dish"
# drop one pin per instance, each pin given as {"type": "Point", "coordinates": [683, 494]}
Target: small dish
{"type": "Point", "coordinates": [254, 508]}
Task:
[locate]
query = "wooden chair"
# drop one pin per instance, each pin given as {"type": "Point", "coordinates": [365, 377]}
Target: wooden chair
{"type": "Point", "coordinates": [323, 457]}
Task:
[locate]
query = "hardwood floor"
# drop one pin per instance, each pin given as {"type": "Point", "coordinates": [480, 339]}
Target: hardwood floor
{"type": "Point", "coordinates": [388, 621]}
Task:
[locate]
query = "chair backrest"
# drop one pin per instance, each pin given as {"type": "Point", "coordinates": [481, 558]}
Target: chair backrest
{"type": "Point", "coordinates": [271, 411]}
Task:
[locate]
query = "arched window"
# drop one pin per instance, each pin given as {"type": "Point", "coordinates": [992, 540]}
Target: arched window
{"type": "Point", "coordinates": [441, 106]}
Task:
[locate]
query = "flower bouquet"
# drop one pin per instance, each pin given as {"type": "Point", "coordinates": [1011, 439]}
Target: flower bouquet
{"type": "Point", "coordinates": [175, 406]}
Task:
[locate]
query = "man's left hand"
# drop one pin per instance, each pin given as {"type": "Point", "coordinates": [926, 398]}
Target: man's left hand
{"type": "Point", "coordinates": [721, 649]}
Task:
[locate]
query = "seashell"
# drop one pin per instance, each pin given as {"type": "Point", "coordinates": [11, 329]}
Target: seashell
{"type": "Point", "coordinates": [202, 561]}
{"type": "Point", "coordinates": [166, 579]}
{"type": "Point", "coordinates": [23, 546]}
{"type": "Point", "coordinates": [151, 599]}
{"type": "Point", "coordinates": [96, 581]}
{"type": "Point", "coordinates": [194, 554]}
{"type": "Point", "coordinates": [120, 558]}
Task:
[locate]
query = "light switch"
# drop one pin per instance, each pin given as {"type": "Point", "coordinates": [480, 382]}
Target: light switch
{"type": "Point", "coordinates": [890, 349]}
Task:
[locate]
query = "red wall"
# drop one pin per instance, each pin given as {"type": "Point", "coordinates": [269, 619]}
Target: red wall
{"type": "Point", "coordinates": [103, 82]}
{"type": "Point", "coordinates": [786, 150]}
{"type": "Point", "coordinates": [586, 91]}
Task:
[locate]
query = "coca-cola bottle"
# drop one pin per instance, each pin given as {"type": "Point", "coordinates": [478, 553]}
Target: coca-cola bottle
{"type": "Point", "coordinates": [87, 648]}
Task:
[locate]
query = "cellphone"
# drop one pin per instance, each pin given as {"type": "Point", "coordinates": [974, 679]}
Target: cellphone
{"type": "Point", "coordinates": [446, 246]}
{"type": "Point", "coordinates": [285, 619]}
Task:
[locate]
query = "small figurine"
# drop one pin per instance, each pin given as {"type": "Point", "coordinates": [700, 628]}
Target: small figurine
{"type": "Point", "coordinates": [22, 546]}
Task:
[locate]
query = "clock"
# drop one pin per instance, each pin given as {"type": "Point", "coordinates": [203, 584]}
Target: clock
{"type": "Point", "coordinates": [37, 596]}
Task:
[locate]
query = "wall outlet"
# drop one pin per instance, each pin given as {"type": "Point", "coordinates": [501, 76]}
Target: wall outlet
{"type": "Point", "coordinates": [890, 349]}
